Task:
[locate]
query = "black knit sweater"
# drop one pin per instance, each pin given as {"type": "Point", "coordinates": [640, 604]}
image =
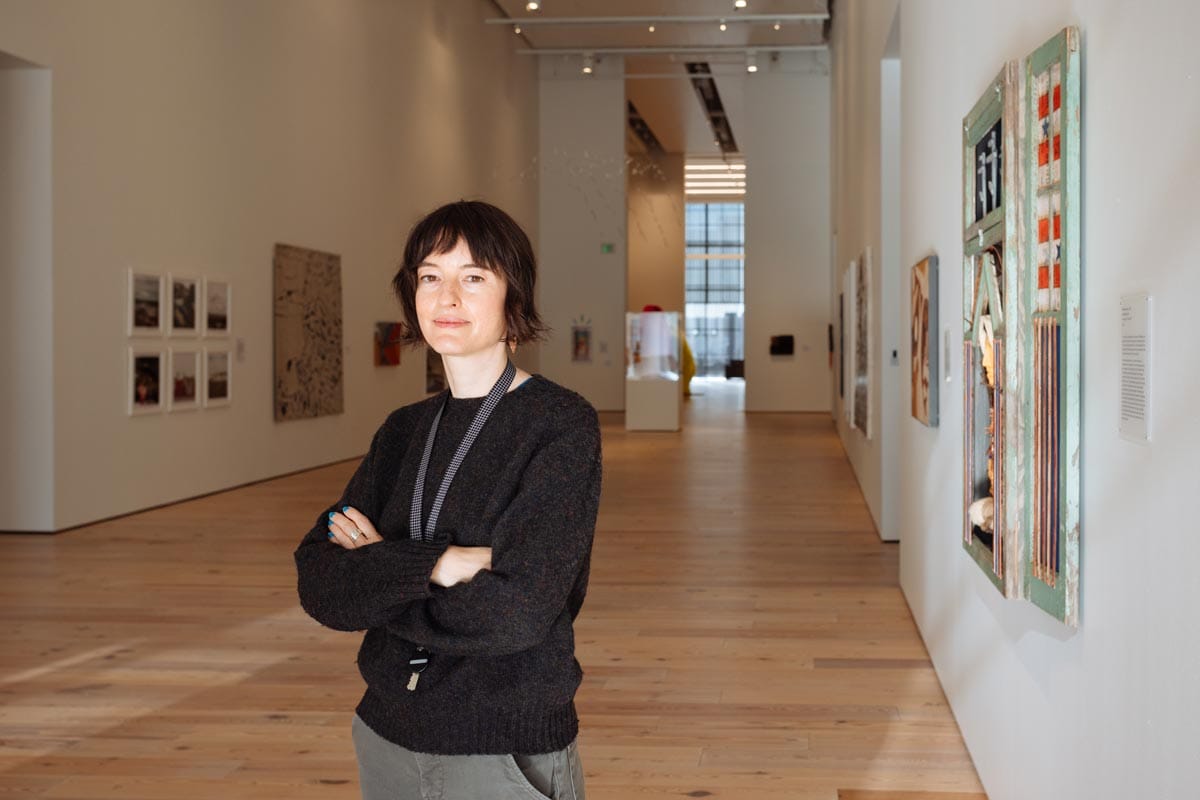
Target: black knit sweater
{"type": "Point", "coordinates": [502, 674]}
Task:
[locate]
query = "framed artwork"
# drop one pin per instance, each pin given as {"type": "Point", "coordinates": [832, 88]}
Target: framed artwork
{"type": "Point", "coordinates": [1021, 328]}
{"type": "Point", "coordinates": [848, 289]}
{"type": "Point", "coordinates": [989, 269]}
{"type": "Point", "coordinates": [184, 296]}
{"type": "Point", "coordinates": [1050, 327]}
{"type": "Point", "coordinates": [183, 388]}
{"type": "Point", "coordinates": [218, 297]}
{"type": "Point", "coordinates": [308, 333]}
{"type": "Point", "coordinates": [435, 372]}
{"type": "Point", "coordinates": [144, 316]}
{"type": "Point", "coordinates": [923, 326]}
{"type": "Point", "coordinates": [863, 357]}
{"type": "Point", "coordinates": [144, 390]}
{"type": "Point", "coordinates": [218, 378]}
{"type": "Point", "coordinates": [581, 340]}
{"type": "Point", "coordinates": [841, 344]}
{"type": "Point", "coordinates": [387, 343]}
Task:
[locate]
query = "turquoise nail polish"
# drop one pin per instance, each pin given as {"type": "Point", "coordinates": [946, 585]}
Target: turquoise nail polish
{"type": "Point", "coordinates": [331, 515]}
{"type": "Point", "coordinates": [331, 534]}
{"type": "Point", "coordinates": [345, 509]}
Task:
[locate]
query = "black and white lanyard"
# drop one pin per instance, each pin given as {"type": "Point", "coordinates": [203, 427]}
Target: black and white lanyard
{"type": "Point", "coordinates": [425, 532]}
{"type": "Point", "coordinates": [420, 658]}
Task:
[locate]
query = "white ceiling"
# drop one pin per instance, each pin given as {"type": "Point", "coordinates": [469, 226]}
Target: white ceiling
{"type": "Point", "coordinates": [669, 105]}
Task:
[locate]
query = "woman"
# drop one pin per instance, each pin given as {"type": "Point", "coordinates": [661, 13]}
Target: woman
{"type": "Point", "coordinates": [463, 540]}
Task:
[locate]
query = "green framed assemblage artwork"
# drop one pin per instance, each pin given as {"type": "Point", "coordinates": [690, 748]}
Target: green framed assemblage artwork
{"type": "Point", "coordinates": [1021, 329]}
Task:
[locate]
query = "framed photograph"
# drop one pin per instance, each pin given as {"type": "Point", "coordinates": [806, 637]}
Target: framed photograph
{"type": "Point", "coordinates": [923, 346]}
{"type": "Point", "coordinates": [435, 372]}
{"type": "Point", "coordinates": [144, 390]}
{"type": "Point", "coordinates": [387, 343]}
{"type": "Point", "coordinates": [184, 387]}
{"type": "Point", "coordinates": [863, 355]}
{"type": "Point", "coordinates": [217, 378]}
{"type": "Point", "coordinates": [184, 295]}
{"type": "Point", "coordinates": [581, 343]}
{"type": "Point", "coordinates": [848, 347]}
{"type": "Point", "coordinates": [144, 316]}
{"type": "Point", "coordinates": [841, 344]}
{"type": "Point", "coordinates": [217, 305]}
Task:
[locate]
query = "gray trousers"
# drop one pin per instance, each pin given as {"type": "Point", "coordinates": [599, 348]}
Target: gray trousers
{"type": "Point", "coordinates": [389, 772]}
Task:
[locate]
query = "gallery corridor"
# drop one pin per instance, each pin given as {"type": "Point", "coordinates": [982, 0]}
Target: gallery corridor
{"type": "Point", "coordinates": [744, 637]}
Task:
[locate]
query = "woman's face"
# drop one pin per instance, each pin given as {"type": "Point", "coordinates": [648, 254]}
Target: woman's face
{"type": "Point", "coordinates": [460, 305]}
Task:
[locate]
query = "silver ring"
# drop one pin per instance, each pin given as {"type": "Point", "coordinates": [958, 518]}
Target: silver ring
{"type": "Point", "coordinates": [354, 535]}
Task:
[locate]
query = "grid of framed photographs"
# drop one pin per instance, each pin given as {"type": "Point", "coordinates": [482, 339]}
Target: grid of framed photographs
{"type": "Point", "coordinates": [189, 366]}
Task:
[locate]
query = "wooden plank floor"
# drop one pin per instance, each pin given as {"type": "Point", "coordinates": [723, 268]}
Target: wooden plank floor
{"type": "Point", "coordinates": [744, 637]}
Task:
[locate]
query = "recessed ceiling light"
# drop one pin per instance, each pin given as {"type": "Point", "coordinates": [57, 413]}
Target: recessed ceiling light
{"type": "Point", "coordinates": [777, 26]}
{"type": "Point", "coordinates": [723, 25]}
{"type": "Point", "coordinates": [751, 62]}
{"type": "Point", "coordinates": [739, 4]}
{"type": "Point", "coordinates": [651, 29]}
{"type": "Point", "coordinates": [589, 62]}
{"type": "Point", "coordinates": [517, 29]}
{"type": "Point", "coordinates": [533, 5]}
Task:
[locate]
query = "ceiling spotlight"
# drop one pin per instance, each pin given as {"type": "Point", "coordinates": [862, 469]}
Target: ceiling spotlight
{"type": "Point", "coordinates": [751, 62]}
{"type": "Point", "coordinates": [738, 5]}
{"type": "Point", "coordinates": [589, 62]}
{"type": "Point", "coordinates": [723, 25]}
{"type": "Point", "coordinates": [517, 29]}
{"type": "Point", "coordinates": [651, 29]}
{"type": "Point", "coordinates": [776, 26]}
{"type": "Point", "coordinates": [533, 5]}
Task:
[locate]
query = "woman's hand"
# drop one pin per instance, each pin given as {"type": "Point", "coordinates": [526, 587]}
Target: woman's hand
{"type": "Point", "coordinates": [460, 564]}
{"type": "Point", "coordinates": [351, 529]}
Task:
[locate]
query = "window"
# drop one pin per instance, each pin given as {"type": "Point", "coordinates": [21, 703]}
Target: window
{"type": "Point", "coordinates": [715, 284]}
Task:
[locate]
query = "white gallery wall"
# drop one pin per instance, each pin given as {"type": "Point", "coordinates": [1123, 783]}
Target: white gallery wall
{"type": "Point", "coordinates": [26, 299]}
{"type": "Point", "coordinates": [192, 136]}
{"type": "Point", "coordinates": [859, 235]}
{"type": "Point", "coordinates": [785, 142]}
{"type": "Point", "coordinates": [582, 175]}
{"type": "Point", "coordinates": [1108, 711]}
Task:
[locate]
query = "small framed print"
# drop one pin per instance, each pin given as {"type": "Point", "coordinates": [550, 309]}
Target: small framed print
{"type": "Point", "coordinates": [217, 306]}
{"type": "Point", "coordinates": [184, 295]}
{"type": "Point", "coordinates": [145, 388]}
{"type": "Point", "coordinates": [183, 391]}
{"type": "Point", "coordinates": [144, 316]}
{"type": "Point", "coordinates": [217, 378]}
{"type": "Point", "coordinates": [387, 343]}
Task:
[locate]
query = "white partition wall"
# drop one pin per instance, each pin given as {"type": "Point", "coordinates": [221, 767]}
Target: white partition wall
{"type": "Point", "coordinates": [582, 221]}
{"type": "Point", "coordinates": [26, 299]}
{"type": "Point", "coordinates": [786, 145]}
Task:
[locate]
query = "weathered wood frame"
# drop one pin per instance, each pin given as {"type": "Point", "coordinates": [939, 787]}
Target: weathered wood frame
{"type": "Point", "coordinates": [998, 227]}
{"type": "Point", "coordinates": [1058, 595]}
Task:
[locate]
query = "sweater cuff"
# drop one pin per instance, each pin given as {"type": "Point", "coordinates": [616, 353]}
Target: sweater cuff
{"type": "Point", "coordinates": [415, 562]}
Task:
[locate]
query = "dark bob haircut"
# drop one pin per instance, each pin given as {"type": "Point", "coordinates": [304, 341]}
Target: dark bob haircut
{"type": "Point", "coordinates": [496, 243]}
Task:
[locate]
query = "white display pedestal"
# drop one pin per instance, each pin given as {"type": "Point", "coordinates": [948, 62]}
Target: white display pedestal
{"type": "Point", "coordinates": [653, 391]}
{"type": "Point", "coordinates": [652, 404]}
